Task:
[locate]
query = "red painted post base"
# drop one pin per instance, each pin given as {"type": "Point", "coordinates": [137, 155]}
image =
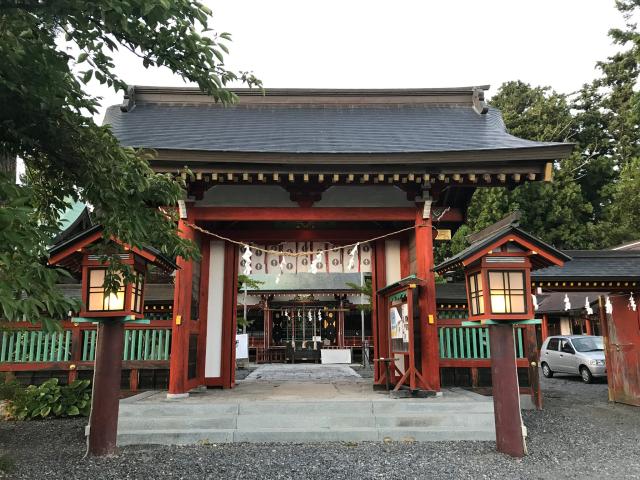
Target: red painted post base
{"type": "Point", "coordinates": [506, 392]}
{"type": "Point", "coordinates": [103, 422]}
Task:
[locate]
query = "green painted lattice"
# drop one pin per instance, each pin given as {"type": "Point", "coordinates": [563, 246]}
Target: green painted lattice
{"type": "Point", "coordinates": [139, 344]}
{"type": "Point", "coordinates": [23, 346]}
{"type": "Point", "coordinates": [38, 346]}
{"type": "Point", "coordinates": [471, 342]}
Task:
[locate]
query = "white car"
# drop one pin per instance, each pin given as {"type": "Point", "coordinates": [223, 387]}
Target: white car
{"type": "Point", "coordinates": [573, 354]}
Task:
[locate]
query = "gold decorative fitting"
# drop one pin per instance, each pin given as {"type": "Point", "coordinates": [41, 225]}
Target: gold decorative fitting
{"type": "Point", "coordinates": [72, 366]}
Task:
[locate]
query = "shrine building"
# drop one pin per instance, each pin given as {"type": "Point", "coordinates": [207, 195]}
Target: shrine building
{"type": "Point", "coordinates": [317, 195]}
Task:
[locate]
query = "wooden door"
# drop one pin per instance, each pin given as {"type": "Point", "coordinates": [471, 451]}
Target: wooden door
{"type": "Point", "coordinates": [623, 352]}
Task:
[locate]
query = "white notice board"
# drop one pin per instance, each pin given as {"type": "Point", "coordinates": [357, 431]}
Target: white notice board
{"type": "Point", "coordinates": [242, 345]}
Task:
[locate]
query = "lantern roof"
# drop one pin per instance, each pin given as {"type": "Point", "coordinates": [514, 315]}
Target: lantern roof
{"type": "Point", "coordinates": [540, 254]}
{"type": "Point", "coordinates": [68, 253]}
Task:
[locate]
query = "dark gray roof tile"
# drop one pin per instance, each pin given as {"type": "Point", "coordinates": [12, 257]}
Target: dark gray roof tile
{"type": "Point", "coordinates": [313, 129]}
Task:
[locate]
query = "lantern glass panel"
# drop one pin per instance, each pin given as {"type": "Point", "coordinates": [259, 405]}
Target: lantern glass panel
{"type": "Point", "coordinates": [136, 292]}
{"type": "Point", "coordinates": [98, 300]}
{"type": "Point", "coordinates": [476, 294]}
{"type": "Point", "coordinates": [507, 292]}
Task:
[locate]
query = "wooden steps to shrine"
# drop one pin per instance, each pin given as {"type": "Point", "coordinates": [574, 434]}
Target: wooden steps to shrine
{"type": "Point", "coordinates": [182, 423]}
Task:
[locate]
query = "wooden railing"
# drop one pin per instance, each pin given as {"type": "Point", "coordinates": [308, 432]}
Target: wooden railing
{"type": "Point", "coordinates": [24, 347]}
{"type": "Point", "coordinates": [472, 343]}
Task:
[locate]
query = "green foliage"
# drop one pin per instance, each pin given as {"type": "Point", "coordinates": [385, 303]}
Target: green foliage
{"type": "Point", "coordinates": [249, 282]}
{"type": "Point", "coordinates": [9, 390]}
{"type": "Point", "coordinates": [593, 201]}
{"type": "Point", "coordinates": [366, 290]}
{"type": "Point", "coordinates": [49, 51]}
{"type": "Point", "coordinates": [51, 399]}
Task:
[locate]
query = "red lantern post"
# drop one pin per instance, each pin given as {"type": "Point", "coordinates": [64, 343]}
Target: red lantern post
{"type": "Point", "coordinates": [497, 268]}
{"type": "Point", "coordinates": [110, 309]}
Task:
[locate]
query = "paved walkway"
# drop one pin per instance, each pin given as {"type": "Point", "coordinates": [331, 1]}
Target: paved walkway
{"type": "Point", "coordinates": [302, 373]}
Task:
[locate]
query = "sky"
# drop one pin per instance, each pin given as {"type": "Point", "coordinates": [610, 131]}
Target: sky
{"type": "Point", "coordinates": [403, 44]}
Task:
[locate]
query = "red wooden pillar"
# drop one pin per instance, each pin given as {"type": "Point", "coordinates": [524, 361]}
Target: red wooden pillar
{"type": "Point", "coordinates": [105, 398]}
{"type": "Point", "coordinates": [229, 316]}
{"type": "Point", "coordinates": [430, 353]}
{"type": "Point", "coordinates": [506, 392]}
{"type": "Point", "coordinates": [545, 327]}
{"type": "Point", "coordinates": [341, 325]}
{"type": "Point", "coordinates": [76, 352]}
{"type": "Point", "coordinates": [588, 326]}
{"type": "Point", "coordinates": [533, 355]}
{"type": "Point", "coordinates": [180, 328]}
{"type": "Point", "coordinates": [379, 328]}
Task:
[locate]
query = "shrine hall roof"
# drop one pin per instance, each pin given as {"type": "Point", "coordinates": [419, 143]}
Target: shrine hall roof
{"type": "Point", "coordinates": [323, 122]}
{"type": "Point", "coordinates": [586, 265]}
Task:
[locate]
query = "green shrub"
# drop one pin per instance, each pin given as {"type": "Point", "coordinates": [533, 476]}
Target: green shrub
{"type": "Point", "coordinates": [9, 389]}
{"type": "Point", "coordinates": [51, 399]}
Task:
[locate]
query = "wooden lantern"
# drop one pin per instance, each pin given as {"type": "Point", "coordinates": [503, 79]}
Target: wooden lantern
{"type": "Point", "coordinates": [126, 301]}
{"type": "Point", "coordinates": [497, 268]}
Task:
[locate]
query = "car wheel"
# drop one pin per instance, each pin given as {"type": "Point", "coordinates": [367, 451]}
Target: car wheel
{"type": "Point", "coordinates": [586, 375]}
{"type": "Point", "coordinates": [546, 371]}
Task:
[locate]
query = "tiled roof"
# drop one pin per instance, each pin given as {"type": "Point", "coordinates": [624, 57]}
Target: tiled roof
{"type": "Point", "coordinates": [320, 129]}
{"type": "Point", "coordinates": [594, 265]}
{"type": "Point", "coordinates": [484, 242]}
{"type": "Point", "coordinates": [553, 302]}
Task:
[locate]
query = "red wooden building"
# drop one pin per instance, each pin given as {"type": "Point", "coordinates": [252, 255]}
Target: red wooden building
{"type": "Point", "coordinates": [297, 169]}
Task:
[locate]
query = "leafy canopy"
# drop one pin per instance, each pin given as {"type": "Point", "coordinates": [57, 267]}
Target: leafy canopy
{"type": "Point", "coordinates": [594, 201]}
{"type": "Point", "coordinates": [45, 120]}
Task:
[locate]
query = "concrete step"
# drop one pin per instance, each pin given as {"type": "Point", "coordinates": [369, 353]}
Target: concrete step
{"type": "Point", "coordinates": [477, 420]}
{"type": "Point", "coordinates": [174, 436]}
{"type": "Point", "coordinates": [292, 435]}
{"type": "Point", "coordinates": [436, 434]}
{"type": "Point", "coordinates": [426, 407]}
{"type": "Point", "coordinates": [304, 421]}
{"type": "Point", "coordinates": [310, 420]}
{"type": "Point", "coordinates": [176, 408]}
{"type": "Point", "coordinates": [182, 422]}
{"type": "Point", "coordinates": [305, 408]}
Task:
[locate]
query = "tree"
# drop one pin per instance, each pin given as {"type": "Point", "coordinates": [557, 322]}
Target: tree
{"type": "Point", "coordinates": [558, 212]}
{"type": "Point", "coordinates": [44, 120]}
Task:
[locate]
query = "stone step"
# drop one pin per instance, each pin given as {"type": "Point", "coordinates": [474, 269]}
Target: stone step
{"type": "Point", "coordinates": [346, 408]}
{"type": "Point", "coordinates": [304, 421]}
{"type": "Point", "coordinates": [282, 435]}
{"type": "Point", "coordinates": [436, 434]}
{"type": "Point", "coordinates": [174, 436]}
{"type": "Point", "coordinates": [176, 408]}
{"type": "Point", "coordinates": [183, 422]}
{"type": "Point", "coordinates": [479, 420]}
{"type": "Point", "coordinates": [436, 407]}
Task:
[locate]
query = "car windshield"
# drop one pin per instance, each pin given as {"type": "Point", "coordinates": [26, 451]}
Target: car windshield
{"type": "Point", "coordinates": [588, 344]}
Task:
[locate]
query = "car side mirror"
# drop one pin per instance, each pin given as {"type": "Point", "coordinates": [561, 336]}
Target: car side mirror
{"type": "Point", "coordinates": [568, 349]}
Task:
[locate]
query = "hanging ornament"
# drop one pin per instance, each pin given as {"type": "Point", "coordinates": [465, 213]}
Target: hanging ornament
{"type": "Point", "coordinates": [587, 306]}
{"type": "Point", "coordinates": [246, 256]}
{"type": "Point", "coordinates": [313, 268]}
{"type": "Point", "coordinates": [607, 306]}
{"type": "Point", "coordinates": [352, 257]}
{"type": "Point", "coordinates": [535, 301]}
{"type": "Point", "coordinates": [567, 303]}
{"type": "Point", "coordinates": [632, 303]}
{"type": "Point", "coordinates": [281, 266]}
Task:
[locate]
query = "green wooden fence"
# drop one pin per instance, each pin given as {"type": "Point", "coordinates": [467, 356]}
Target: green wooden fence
{"type": "Point", "coordinates": [35, 346]}
{"type": "Point", "coordinates": [24, 346]}
{"type": "Point", "coordinates": [139, 344]}
{"type": "Point", "coordinates": [471, 342]}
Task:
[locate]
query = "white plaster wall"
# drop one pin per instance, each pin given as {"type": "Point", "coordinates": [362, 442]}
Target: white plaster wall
{"type": "Point", "coordinates": [213, 356]}
{"type": "Point", "coordinates": [565, 326]}
{"type": "Point", "coordinates": [392, 260]}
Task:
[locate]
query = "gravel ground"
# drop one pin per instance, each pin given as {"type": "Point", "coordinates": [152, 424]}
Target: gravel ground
{"type": "Point", "coordinates": [577, 435]}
